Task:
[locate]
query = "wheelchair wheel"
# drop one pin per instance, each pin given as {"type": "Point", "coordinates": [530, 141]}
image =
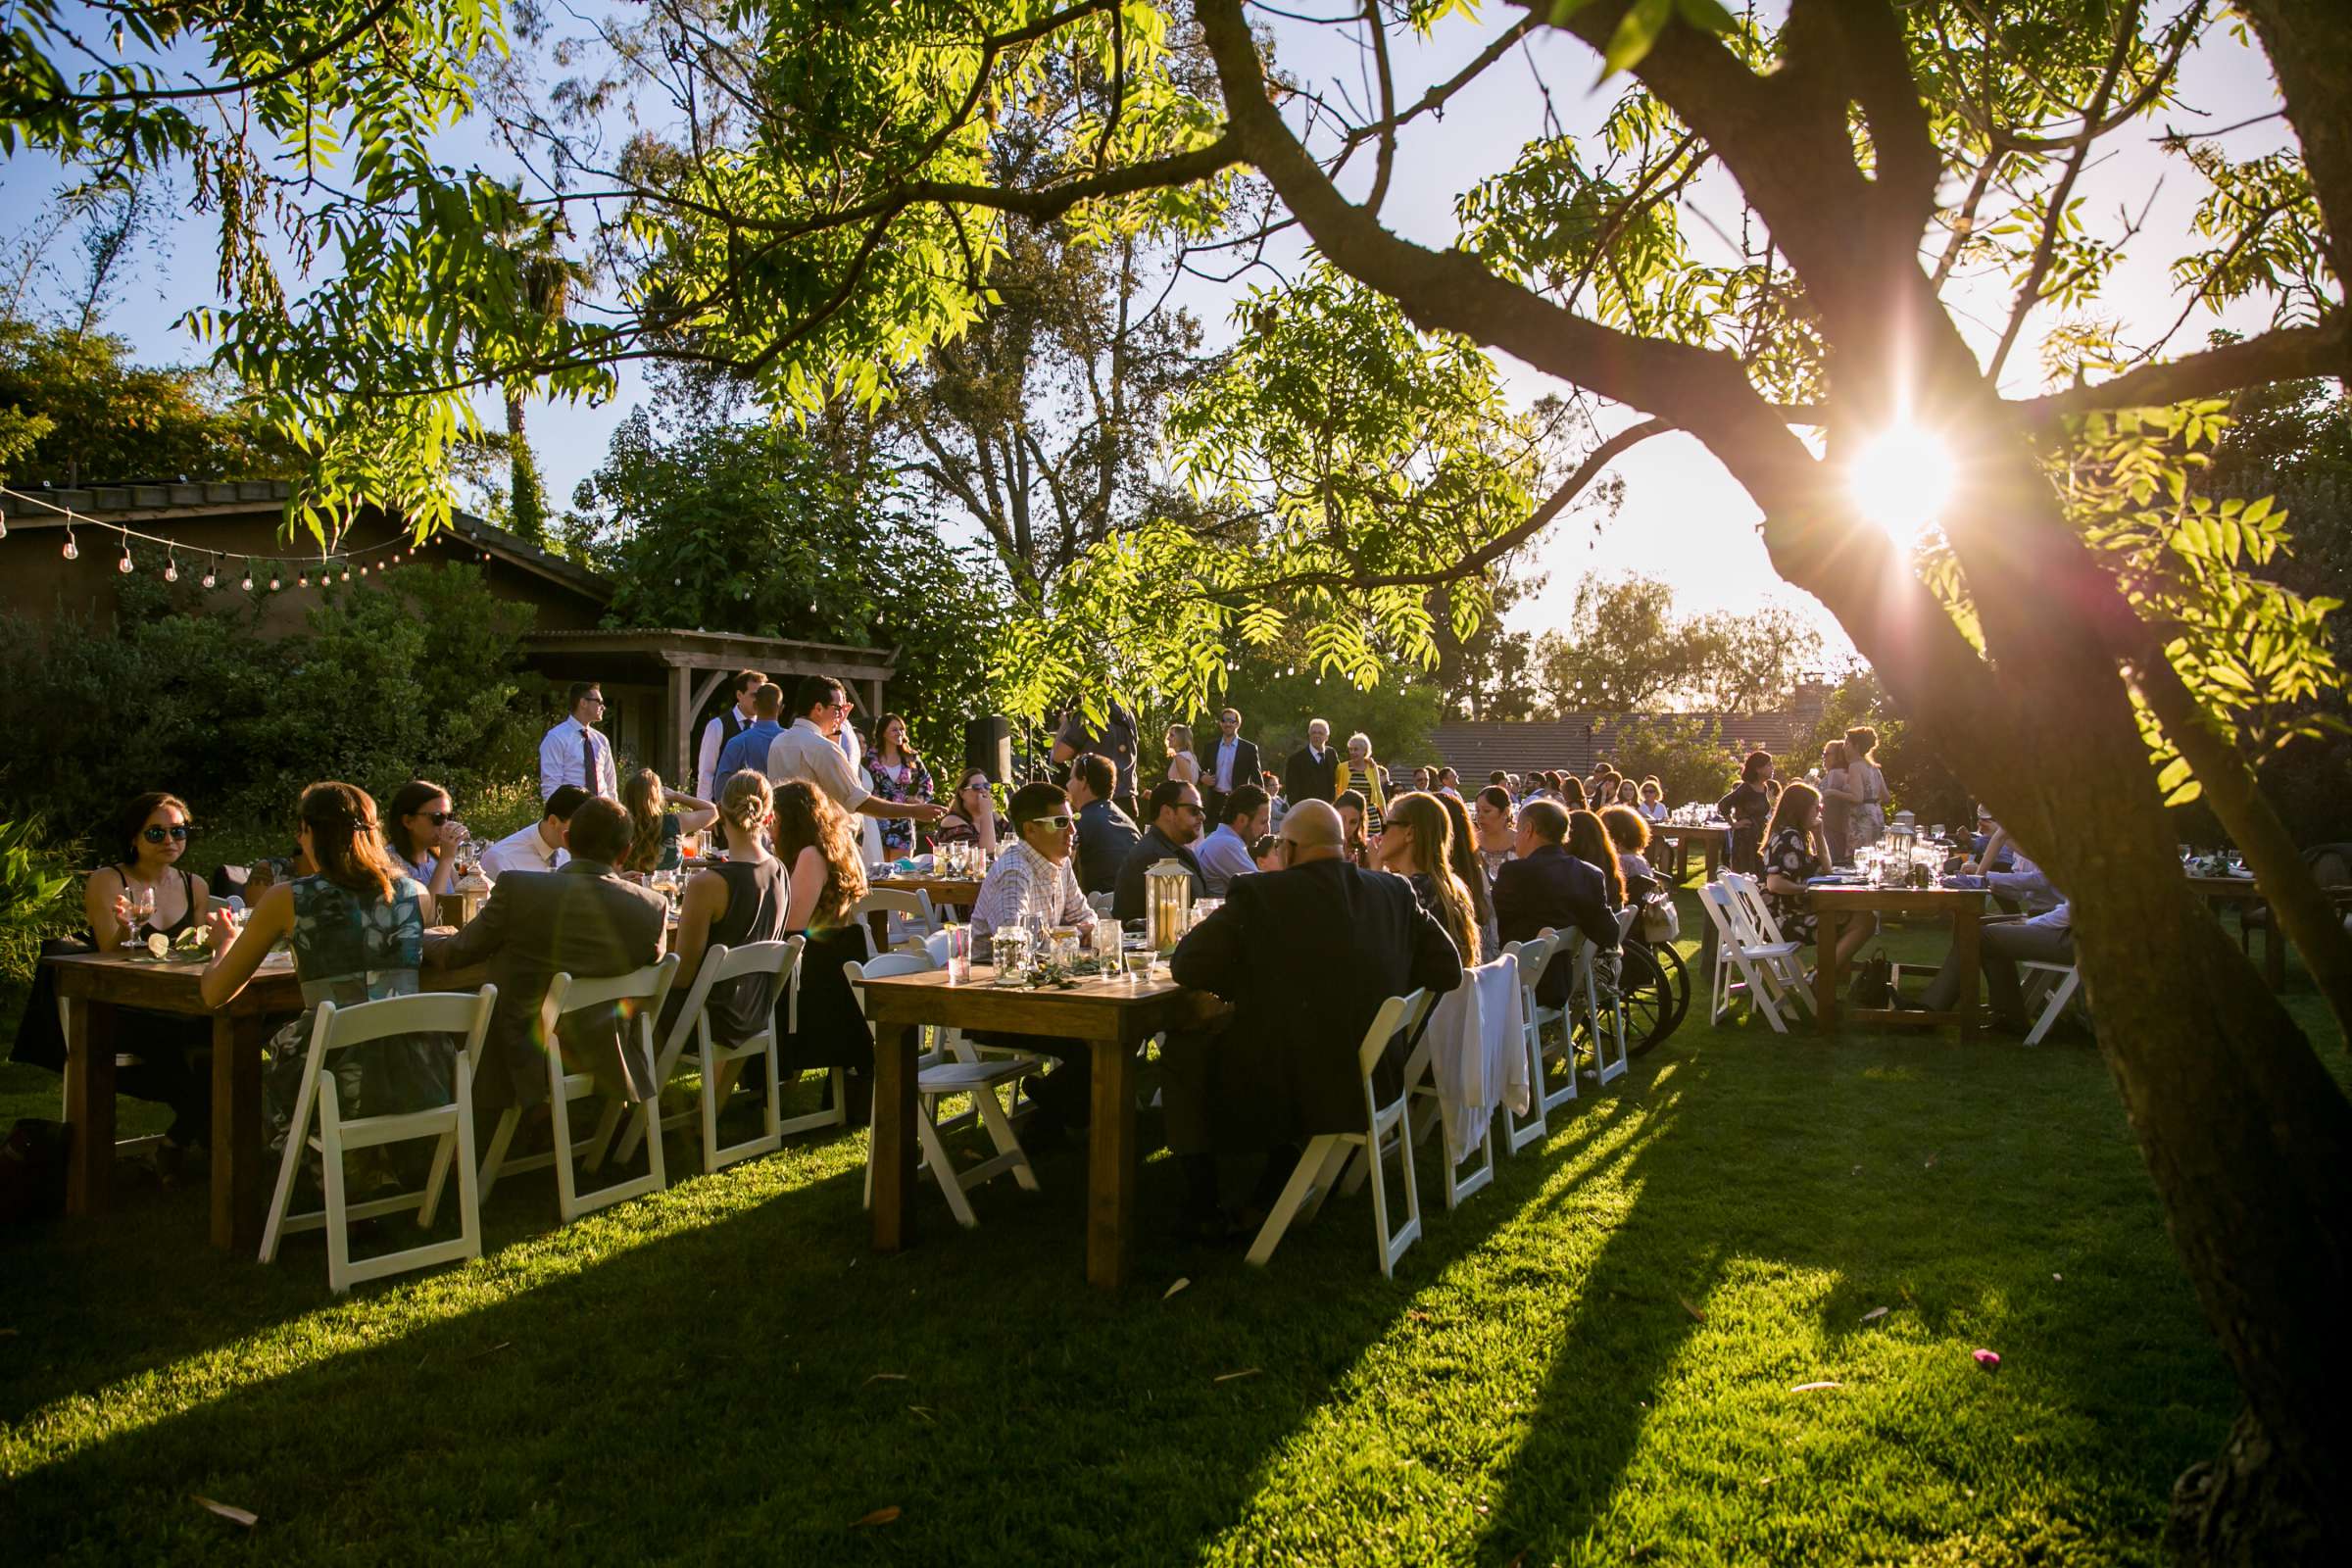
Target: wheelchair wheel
{"type": "Point", "coordinates": [1650, 1002]}
{"type": "Point", "coordinates": [1678, 975]}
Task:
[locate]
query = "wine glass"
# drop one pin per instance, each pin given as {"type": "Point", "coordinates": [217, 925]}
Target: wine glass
{"type": "Point", "coordinates": [142, 913]}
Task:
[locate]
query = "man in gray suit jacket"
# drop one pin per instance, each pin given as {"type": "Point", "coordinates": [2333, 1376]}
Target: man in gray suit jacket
{"type": "Point", "coordinates": [583, 920]}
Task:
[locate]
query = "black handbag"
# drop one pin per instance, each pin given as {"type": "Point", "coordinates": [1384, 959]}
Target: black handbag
{"type": "Point", "coordinates": [1873, 986]}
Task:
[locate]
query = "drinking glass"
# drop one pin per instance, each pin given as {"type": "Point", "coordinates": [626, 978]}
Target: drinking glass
{"type": "Point", "coordinates": [1139, 965]}
{"type": "Point", "coordinates": [1106, 944]}
{"type": "Point", "coordinates": [142, 913]}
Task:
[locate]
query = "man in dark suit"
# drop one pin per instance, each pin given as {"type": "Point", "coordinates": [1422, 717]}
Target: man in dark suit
{"type": "Point", "coordinates": [1307, 955]}
{"type": "Point", "coordinates": [1231, 762]}
{"type": "Point", "coordinates": [1313, 771]}
{"type": "Point", "coordinates": [1177, 820]}
{"type": "Point", "coordinates": [582, 920]}
{"type": "Point", "coordinates": [1547, 886]}
{"type": "Point", "coordinates": [1106, 835]}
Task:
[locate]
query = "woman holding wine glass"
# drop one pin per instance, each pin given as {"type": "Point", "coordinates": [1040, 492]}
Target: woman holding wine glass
{"type": "Point", "coordinates": [425, 838]}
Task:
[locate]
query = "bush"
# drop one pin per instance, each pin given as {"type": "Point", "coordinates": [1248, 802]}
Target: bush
{"type": "Point", "coordinates": [1689, 757]}
{"type": "Point", "coordinates": [36, 895]}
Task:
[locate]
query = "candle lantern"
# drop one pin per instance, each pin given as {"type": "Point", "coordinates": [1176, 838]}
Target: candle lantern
{"type": "Point", "coordinates": [1167, 902]}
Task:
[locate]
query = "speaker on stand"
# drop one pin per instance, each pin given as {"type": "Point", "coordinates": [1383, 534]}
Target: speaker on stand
{"type": "Point", "coordinates": [988, 746]}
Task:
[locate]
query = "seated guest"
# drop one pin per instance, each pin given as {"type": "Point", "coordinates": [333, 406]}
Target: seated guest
{"type": "Point", "coordinates": [971, 816]}
{"type": "Point", "coordinates": [1106, 835]}
{"type": "Point", "coordinates": [1546, 887]}
{"type": "Point", "coordinates": [2001, 946]}
{"type": "Point", "coordinates": [751, 745]}
{"type": "Point", "coordinates": [422, 837]}
{"type": "Point", "coordinates": [1176, 815]}
{"type": "Point", "coordinates": [1450, 782]}
{"type": "Point", "coordinates": [356, 928]}
{"type": "Point", "coordinates": [583, 919]}
{"type": "Point", "coordinates": [1350, 807]}
{"type": "Point", "coordinates": [733, 902]}
{"type": "Point", "coordinates": [1747, 808]}
{"type": "Point", "coordinates": [541, 846]}
{"type": "Point", "coordinates": [1792, 851]}
{"type": "Point", "coordinates": [146, 890]}
{"type": "Point", "coordinates": [1306, 955]}
{"type": "Point", "coordinates": [1629, 795]}
{"type": "Point", "coordinates": [1589, 841]}
{"type": "Point", "coordinates": [1653, 801]}
{"type": "Point", "coordinates": [816, 843]}
{"type": "Point", "coordinates": [654, 828]}
{"type": "Point", "coordinates": [2022, 883]}
{"type": "Point", "coordinates": [1267, 853]}
{"type": "Point", "coordinates": [1225, 853]}
{"type": "Point", "coordinates": [1497, 833]}
{"type": "Point", "coordinates": [1033, 885]}
{"type": "Point", "coordinates": [1461, 852]}
{"type": "Point", "coordinates": [1631, 835]}
{"type": "Point", "coordinates": [1418, 847]}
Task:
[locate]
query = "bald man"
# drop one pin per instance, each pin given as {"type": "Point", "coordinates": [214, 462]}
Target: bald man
{"type": "Point", "coordinates": [1306, 954]}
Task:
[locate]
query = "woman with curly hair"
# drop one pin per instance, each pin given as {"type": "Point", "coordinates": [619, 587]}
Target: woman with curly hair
{"type": "Point", "coordinates": [826, 880]}
{"type": "Point", "coordinates": [654, 828]}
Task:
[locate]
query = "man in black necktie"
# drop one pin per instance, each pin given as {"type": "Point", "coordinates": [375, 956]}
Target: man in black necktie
{"type": "Point", "coordinates": [575, 751]}
{"type": "Point", "coordinates": [1313, 770]}
{"type": "Point", "coordinates": [1230, 764]}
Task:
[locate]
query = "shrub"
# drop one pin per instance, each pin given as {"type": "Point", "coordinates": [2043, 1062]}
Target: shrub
{"type": "Point", "coordinates": [36, 895]}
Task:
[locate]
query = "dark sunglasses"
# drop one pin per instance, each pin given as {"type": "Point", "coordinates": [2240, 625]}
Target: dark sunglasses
{"type": "Point", "coordinates": [437, 818]}
{"type": "Point", "coordinates": [157, 835]}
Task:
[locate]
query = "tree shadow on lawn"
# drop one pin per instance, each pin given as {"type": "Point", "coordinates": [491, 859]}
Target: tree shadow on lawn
{"type": "Point", "coordinates": [1795, 1187]}
{"type": "Point", "coordinates": [724, 1370]}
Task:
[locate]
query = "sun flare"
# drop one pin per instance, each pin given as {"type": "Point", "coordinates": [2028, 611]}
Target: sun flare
{"type": "Point", "coordinates": [1902, 479]}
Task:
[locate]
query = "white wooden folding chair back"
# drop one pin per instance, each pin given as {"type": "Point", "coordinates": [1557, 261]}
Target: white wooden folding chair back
{"type": "Point", "coordinates": [908, 915]}
{"type": "Point", "coordinates": [648, 987]}
{"type": "Point", "coordinates": [1738, 950]}
{"type": "Point", "coordinates": [1783, 960]}
{"type": "Point", "coordinates": [1520, 1131]}
{"type": "Point", "coordinates": [943, 1076]}
{"type": "Point", "coordinates": [1327, 1156]}
{"type": "Point", "coordinates": [2059, 983]}
{"type": "Point", "coordinates": [319, 1123]}
{"type": "Point", "coordinates": [721, 1066]}
{"type": "Point", "coordinates": [1464, 1174]}
{"type": "Point", "coordinates": [1605, 992]}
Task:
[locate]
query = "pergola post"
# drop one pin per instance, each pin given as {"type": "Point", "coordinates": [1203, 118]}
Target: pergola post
{"type": "Point", "coordinates": [680, 768]}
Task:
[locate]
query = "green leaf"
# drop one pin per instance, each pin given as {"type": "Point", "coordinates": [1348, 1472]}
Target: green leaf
{"type": "Point", "coordinates": [1637, 32]}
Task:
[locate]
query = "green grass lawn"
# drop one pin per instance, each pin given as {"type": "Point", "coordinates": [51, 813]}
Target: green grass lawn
{"type": "Point", "coordinates": [1592, 1361]}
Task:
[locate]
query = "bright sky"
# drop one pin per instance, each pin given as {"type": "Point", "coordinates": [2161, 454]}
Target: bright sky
{"type": "Point", "coordinates": [1683, 517]}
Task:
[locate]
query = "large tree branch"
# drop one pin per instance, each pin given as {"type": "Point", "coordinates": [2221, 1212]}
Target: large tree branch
{"type": "Point", "coordinates": [2311, 51]}
{"type": "Point", "coordinates": [300, 62]}
{"type": "Point", "coordinates": [2288, 354]}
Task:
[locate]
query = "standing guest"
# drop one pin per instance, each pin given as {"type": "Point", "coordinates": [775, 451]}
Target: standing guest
{"type": "Point", "coordinates": [809, 751]}
{"type": "Point", "coordinates": [1421, 779]}
{"type": "Point", "coordinates": [825, 878]}
{"type": "Point", "coordinates": [1865, 818]}
{"type": "Point", "coordinates": [1546, 887]}
{"type": "Point", "coordinates": [732, 720]}
{"type": "Point", "coordinates": [575, 751]}
{"type": "Point", "coordinates": [1747, 808]}
{"type": "Point", "coordinates": [541, 847]}
{"type": "Point", "coordinates": [356, 928]}
{"type": "Point", "coordinates": [1350, 807]}
{"type": "Point", "coordinates": [1367, 778]}
{"type": "Point", "coordinates": [1461, 852]}
{"type": "Point", "coordinates": [1590, 843]}
{"type": "Point", "coordinates": [1418, 846]}
{"type": "Point", "coordinates": [1176, 817]}
{"type": "Point", "coordinates": [1312, 773]}
{"type": "Point", "coordinates": [1497, 832]}
{"type": "Point", "coordinates": [750, 745]}
{"type": "Point", "coordinates": [971, 818]}
{"type": "Point", "coordinates": [1653, 801]}
{"type": "Point", "coordinates": [1306, 955]}
{"type": "Point", "coordinates": [744, 898]}
{"type": "Point", "coordinates": [585, 920]}
{"type": "Point", "coordinates": [1450, 782]}
{"type": "Point", "coordinates": [1106, 835]}
{"type": "Point", "coordinates": [421, 836]}
{"type": "Point", "coordinates": [1225, 853]}
{"type": "Point", "coordinates": [1032, 885]}
{"type": "Point", "coordinates": [1630, 834]}
{"type": "Point", "coordinates": [1232, 764]}
{"type": "Point", "coordinates": [654, 828]}
{"type": "Point", "coordinates": [1790, 856]}
{"type": "Point", "coordinates": [899, 773]}
{"type": "Point", "coordinates": [1115, 740]}
{"type": "Point", "coordinates": [1837, 799]}
{"type": "Point", "coordinates": [1570, 792]}
{"type": "Point", "coordinates": [1183, 765]}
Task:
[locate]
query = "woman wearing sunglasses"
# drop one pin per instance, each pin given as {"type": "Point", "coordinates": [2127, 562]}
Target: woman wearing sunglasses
{"type": "Point", "coordinates": [423, 836]}
{"type": "Point", "coordinates": [145, 889]}
{"type": "Point", "coordinates": [972, 816]}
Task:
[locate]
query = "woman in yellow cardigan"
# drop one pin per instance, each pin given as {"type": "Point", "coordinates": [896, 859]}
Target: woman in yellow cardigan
{"type": "Point", "coordinates": [1359, 772]}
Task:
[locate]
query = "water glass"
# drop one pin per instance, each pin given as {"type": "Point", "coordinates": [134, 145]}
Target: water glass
{"type": "Point", "coordinates": [1106, 944]}
{"type": "Point", "coordinates": [960, 955]}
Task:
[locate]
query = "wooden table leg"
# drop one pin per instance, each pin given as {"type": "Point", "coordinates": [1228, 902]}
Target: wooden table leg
{"type": "Point", "coordinates": [89, 1105]}
{"type": "Point", "coordinates": [1714, 858]}
{"type": "Point", "coordinates": [893, 1133]}
{"type": "Point", "coordinates": [1825, 971]}
{"type": "Point", "coordinates": [1111, 1165]}
{"type": "Point", "coordinates": [2274, 955]}
{"type": "Point", "coordinates": [1966, 929]}
{"type": "Point", "coordinates": [238, 1151]}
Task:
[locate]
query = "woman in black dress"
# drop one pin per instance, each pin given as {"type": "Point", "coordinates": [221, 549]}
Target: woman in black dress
{"type": "Point", "coordinates": [826, 881]}
{"type": "Point", "coordinates": [1747, 808]}
{"type": "Point", "coordinates": [730, 903]}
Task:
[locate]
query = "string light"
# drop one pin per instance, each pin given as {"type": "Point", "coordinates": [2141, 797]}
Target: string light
{"type": "Point", "coordinates": [69, 551]}
{"type": "Point", "coordinates": [347, 573]}
{"type": "Point", "coordinates": [303, 579]}
{"type": "Point", "coordinates": [274, 579]}
{"type": "Point", "coordinates": [123, 565]}
{"type": "Point", "coordinates": [247, 584]}
{"type": "Point", "coordinates": [172, 567]}
{"type": "Point", "coordinates": [211, 574]}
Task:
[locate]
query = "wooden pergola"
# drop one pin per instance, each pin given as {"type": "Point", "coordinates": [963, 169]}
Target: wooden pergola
{"type": "Point", "coordinates": [690, 666]}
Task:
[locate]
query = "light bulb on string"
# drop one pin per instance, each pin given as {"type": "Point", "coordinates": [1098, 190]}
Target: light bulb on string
{"type": "Point", "coordinates": [247, 584]}
{"type": "Point", "coordinates": [302, 579]}
{"type": "Point", "coordinates": [211, 574]}
{"type": "Point", "coordinates": [123, 565]}
{"type": "Point", "coordinates": [274, 579]}
{"type": "Point", "coordinates": [347, 574]}
{"type": "Point", "coordinates": [170, 567]}
{"type": "Point", "coordinates": [69, 551]}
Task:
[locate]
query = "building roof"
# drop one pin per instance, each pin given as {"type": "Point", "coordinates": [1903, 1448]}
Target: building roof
{"type": "Point", "coordinates": [724, 650]}
{"type": "Point", "coordinates": [1576, 742]}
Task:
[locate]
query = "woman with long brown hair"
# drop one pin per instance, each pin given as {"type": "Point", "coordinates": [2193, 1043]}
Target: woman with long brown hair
{"type": "Point", "coordinates": [1462, 854]}
{"type": "Point", "coordinates": [654, 828]}
{"type": "Point", "coordinates": [898, 772]}
{"type": "Point", "coordinates": [1791, 857]}
{"type": "Point", "coordinates": [357, 927]}
{"type": "Point", "coordinates": [1417, 844]}
{"type": "Point", "coordinates": [826, 880]}
{"type": "Point", "coordinates": [1589, 841]}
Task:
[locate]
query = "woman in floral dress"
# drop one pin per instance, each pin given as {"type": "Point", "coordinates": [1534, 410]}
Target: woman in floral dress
{"type": "Point", "coordinates": [897, 773]}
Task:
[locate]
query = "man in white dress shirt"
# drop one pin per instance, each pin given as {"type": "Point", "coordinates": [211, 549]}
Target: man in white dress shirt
{"type": "Point", "coordinates": [575, 751]}
{"type": "Point", "coordinates": [1231, 764]}
{"type": "Point", "coordinates": [811, 750]}
{"type": "Point", "coordinates": [731, 721]}
{"type": "Point", "coordinates": [544, 845]}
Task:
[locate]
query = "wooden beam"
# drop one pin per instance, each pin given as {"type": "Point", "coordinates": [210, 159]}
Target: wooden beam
{"type": "Point", "coordinates": [682, 706]}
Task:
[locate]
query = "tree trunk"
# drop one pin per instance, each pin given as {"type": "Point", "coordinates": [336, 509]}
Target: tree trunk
{"type": "Point", "coordinates": [2242, 1509]}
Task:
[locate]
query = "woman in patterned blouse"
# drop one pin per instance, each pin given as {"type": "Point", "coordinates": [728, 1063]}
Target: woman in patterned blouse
{"type": "Point", "coordinates": [1792, 854]}
{"type": "Point", "coordinates": [897, 773]}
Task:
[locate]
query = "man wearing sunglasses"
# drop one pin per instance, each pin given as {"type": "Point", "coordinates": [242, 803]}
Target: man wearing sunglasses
{"type": "Point", "coordinates": [1035, 882]}
{"type": "Point", "coordinates": [1177, 821]}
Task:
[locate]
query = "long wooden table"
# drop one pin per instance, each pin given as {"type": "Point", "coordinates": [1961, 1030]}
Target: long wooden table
{"type": "Point", "coordinates": [1713, 839]}
{"type": "Point", "coordinates": [946, 892]}
{"type": "Point", "coordinates": [92, 986]}
{"type": "Point", "coordinates": [1114, 1016]}
{"type": "Point", "coordinates": [2246, 894]}
{"type": "Point", "coordinates": [1833, 906]}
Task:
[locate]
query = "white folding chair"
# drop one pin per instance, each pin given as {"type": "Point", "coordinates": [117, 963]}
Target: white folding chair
{"type": "Point", "coordinates": [1604, 1002]}
{"type": "Point", "coordinates": [1785, 971]}
{"type": "Point", "coordinates": [941, 1077]}
{"type": "Point", "coordinates": [1532, 954]}
{"type": "Point", "coordinates": [1736, 947]}
{"type": "Point", "coordinates": [450, 1126]}
{"type": "Point", "coordinates": [721, 1065]}
{"type": "Point", "coordinates": [2059, 982]}
{"type": "Point", "coordinates": [908, 915]}
{"type": "Point", "coordinates": [648, 987]}
{"type": "Point", "coordinates": [1428, 1102]}
{"type": "Point", "coordinates": [1326, 1158]}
